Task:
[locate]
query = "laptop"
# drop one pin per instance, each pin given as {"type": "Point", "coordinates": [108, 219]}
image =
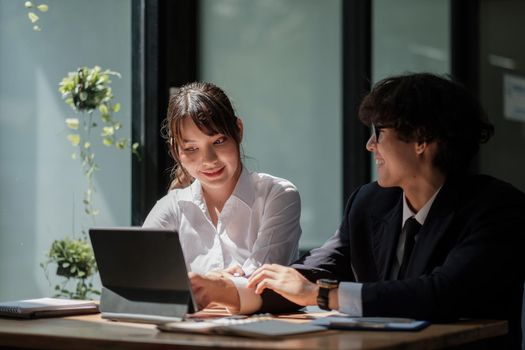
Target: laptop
{"type": "Point", "coordinates": [143, 274]}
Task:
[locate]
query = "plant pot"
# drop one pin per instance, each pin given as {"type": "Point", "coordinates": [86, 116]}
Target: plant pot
{"type": "Point", "coordinates": [64, 272]}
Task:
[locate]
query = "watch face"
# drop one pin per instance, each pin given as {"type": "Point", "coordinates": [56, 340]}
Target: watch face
{"type": "Point", "coordinates": [327, 283]}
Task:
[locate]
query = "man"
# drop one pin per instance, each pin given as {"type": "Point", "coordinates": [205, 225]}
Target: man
{"type": "Point", "coordinates": [428, 240]}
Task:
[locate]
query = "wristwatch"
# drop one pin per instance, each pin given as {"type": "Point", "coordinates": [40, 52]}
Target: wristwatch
{"type": "Point", "coordinates": [325, 285]}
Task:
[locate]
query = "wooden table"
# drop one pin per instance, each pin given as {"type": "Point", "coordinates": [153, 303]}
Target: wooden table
{"type": "Point", "coordinates": [91, 332]}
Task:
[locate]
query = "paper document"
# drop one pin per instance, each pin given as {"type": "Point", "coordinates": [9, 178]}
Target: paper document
{"type": "Point", "coordinates": [46, 307]}
{"type": "Point", "coordinates": [250, 327]}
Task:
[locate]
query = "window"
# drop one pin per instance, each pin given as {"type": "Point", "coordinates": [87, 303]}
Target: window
{"type": "Point", "coordinates": [409, 36]}
{"type": "Point", "coordinates": [280, 62]}
{"type": "Point", "coordinates": [41, 187]}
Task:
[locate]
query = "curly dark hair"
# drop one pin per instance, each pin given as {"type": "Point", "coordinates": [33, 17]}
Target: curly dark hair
{"type": "Point", "coordinates": [424, 107]}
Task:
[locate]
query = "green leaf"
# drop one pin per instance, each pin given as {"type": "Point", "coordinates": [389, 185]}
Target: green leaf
{"type": "Point", "coordinates": [103, 109]}
{"type": "Point", "coordinates": [32, 17]}
{"type": "Point", "coordinates": [28, 4]}
{"type": "Point", "coordinates": [135, 146]}
{"type": "Point", "coordinates": [43, 7]}
{"type": "Point", "coordinates": [74, 139]}
{"type": "Point", "coordinates": [107, 131]}
{"type": "Point", "coordinates": [121, 144]}
{"type": "Point", "coordinates": [107, 141]}
{"type": "Point", "coordinates": [72, 123]}
{"type": "Point", "coordinates": [116, 107]}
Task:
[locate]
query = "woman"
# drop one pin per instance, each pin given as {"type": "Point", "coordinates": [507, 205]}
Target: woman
{"type": "Point", "coordinates": [228, 218]}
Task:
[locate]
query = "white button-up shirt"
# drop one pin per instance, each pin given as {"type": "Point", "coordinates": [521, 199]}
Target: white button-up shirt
{"type": "Point", "coordinates": [258, 224]}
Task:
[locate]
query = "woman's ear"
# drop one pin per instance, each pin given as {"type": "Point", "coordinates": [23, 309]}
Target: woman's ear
{"type": "Point", "coordinates": [240, 125]}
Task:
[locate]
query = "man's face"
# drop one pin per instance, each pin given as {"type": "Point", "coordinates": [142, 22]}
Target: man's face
{"type": "Point", "coordinates": [396, 160]}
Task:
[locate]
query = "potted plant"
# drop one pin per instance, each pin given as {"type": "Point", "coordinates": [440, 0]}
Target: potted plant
{"type": "Point", "coordinates": [75, 262]}
{"type": "Point", "coordinates": [88, 92]}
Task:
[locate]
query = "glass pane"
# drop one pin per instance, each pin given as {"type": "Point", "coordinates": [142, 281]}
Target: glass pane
{"type": "Point", "coordinates": [41, 186]}
{"type": "Point", "coordinates": [280, 62]}
{"type": "Point", "coordinates": [502, 86]}
{"type": "Point", "coordinates": [409, 36]}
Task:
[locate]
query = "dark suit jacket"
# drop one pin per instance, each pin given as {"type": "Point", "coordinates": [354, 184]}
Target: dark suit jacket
{"type": "Point", "coordinates": [468, 260]}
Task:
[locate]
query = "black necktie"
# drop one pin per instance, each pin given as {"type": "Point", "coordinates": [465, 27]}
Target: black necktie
{"type": "Point", "coordinates": [410, 228]}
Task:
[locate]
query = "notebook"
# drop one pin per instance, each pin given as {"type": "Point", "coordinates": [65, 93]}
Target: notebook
{"type": "Point", "coordinates": [47, 307]}
{"type": "Point", "coordinates": [143, 275]}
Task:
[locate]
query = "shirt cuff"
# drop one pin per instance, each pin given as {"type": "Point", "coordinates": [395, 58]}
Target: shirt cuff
{"type": "Point", "coordinates": [350, 301]}
{"type": "Point", "coordinates": [249, 301]}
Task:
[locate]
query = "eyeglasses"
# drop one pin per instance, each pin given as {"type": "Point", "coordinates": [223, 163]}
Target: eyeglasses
{"type": "Point", "coordinates": [376, 131]}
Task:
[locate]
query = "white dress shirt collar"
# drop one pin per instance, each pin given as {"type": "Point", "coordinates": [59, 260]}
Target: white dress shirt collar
{"type": "Point", "coordinates": [422, 214]}
{"type": "Point", "coordinates": [244, 191]}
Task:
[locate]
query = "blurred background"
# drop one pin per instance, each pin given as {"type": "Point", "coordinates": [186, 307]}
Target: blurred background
{"type": "Point", "coordinates": [295, 70]}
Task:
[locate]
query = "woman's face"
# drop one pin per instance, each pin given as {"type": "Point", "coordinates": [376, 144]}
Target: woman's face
{"type": "Point", "coordinates": [213, 160]}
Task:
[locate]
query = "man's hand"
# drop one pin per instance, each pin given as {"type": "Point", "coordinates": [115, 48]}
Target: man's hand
{"type": "Point", "coordinates": [217, 288]}
{"type": "Point", "coordinates": [286, 281]}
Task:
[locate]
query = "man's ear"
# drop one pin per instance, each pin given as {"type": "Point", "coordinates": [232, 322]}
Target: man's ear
{"type": "Point", "coordinates": [240, 125]}
{"type": "Point", "coordinates": [421, 147]}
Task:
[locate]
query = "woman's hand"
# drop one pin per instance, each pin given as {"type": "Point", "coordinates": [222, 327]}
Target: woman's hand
{"type": "Point", "coordinates": [235, 270]}
{"type": "Point", "coordinates": [286, 281]}
{"type": "Point", "coordinates": [215, 288]}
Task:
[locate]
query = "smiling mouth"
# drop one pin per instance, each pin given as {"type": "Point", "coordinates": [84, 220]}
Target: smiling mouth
{"type": "Point", "coordinates": [213, 173]}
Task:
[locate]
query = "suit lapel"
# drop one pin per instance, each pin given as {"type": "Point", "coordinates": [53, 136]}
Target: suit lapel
{"type": "Point", "coordinates": [386, 231]}
{"type": "Point", "coordinates": [436, 226]}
